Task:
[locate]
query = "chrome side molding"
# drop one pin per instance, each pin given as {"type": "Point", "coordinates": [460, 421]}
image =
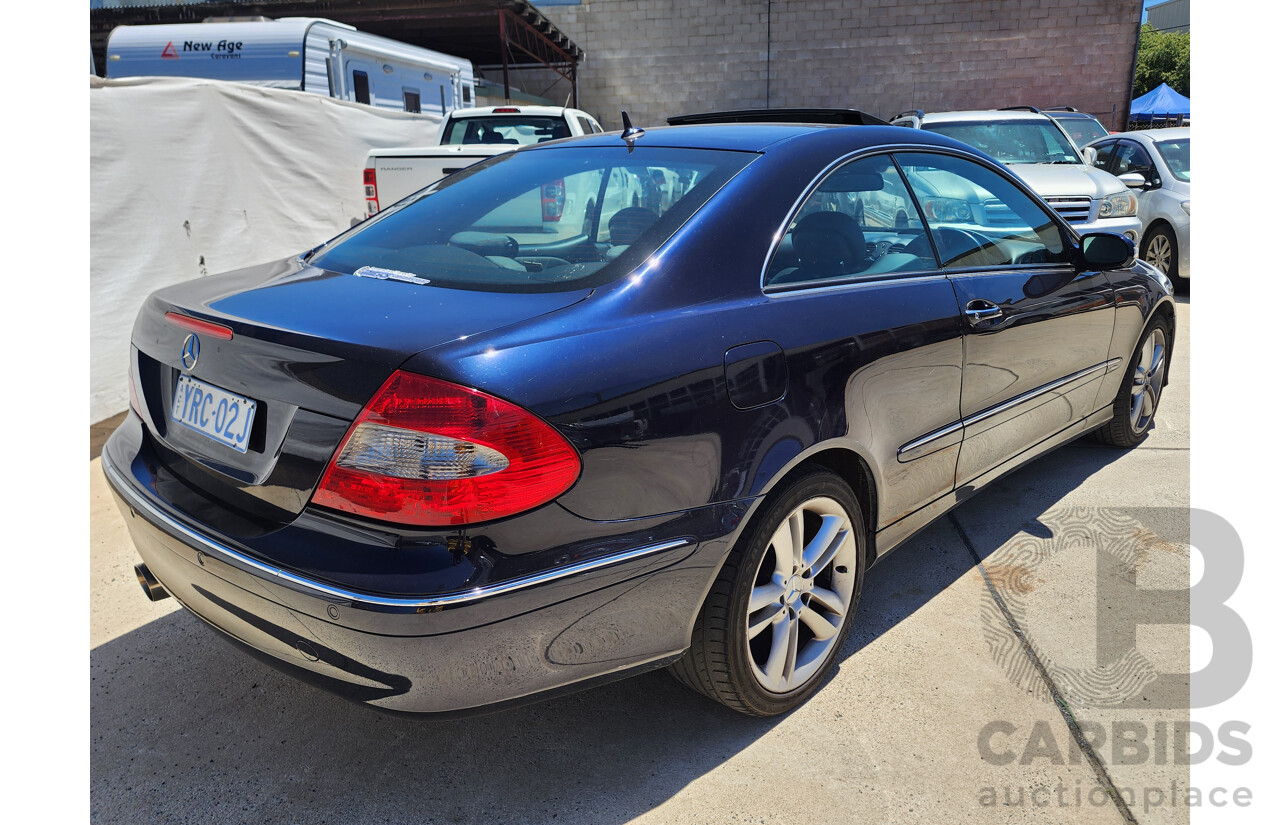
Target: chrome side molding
{"type": "Point", "coordinates": [953, 433]}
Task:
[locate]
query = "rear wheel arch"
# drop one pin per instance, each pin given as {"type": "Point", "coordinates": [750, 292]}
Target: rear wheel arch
{"type": "Point", "coordinates": [1165, 310]}
{"type": "Point", "coordinates": [856, 472]}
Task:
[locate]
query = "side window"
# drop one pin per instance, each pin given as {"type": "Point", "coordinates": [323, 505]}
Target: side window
{"type": "Point", "coordinates": [978, 217]}
{"type": "Point", "coordinates": [584, 125]}
{"type": "Point", "coordinates": [412, 101]}
{"type": "Point", "coordinates": [1105, 153]}
{"type": "Point", "coordinates": [360, 82]}
{"type": "Point", "coordinates": [1131, 158]}
{"type": "Point", "coordinates": [859, 221]}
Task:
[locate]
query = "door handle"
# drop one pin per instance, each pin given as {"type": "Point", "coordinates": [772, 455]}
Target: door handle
{"type": "Point", "coordinates": [980, 310]}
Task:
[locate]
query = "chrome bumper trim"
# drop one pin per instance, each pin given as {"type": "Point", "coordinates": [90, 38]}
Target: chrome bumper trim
{"type": "Point", "coordinates": [354, 598]}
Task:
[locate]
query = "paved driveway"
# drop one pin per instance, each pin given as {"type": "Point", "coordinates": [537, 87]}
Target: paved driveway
{"type": "Point", "coordinates": [983, 650]}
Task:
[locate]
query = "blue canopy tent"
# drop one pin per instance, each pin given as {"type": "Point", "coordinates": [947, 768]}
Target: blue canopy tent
{"type": "Point", "coordinates": [1160, 104]}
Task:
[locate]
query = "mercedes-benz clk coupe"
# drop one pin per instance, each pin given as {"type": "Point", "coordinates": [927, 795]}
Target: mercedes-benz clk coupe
{"type": "Point", "coordinates": [627, 401]}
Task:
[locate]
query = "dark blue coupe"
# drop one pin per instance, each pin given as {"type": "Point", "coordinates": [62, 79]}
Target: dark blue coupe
{"type": "Point", "coordinates": [617, 403]}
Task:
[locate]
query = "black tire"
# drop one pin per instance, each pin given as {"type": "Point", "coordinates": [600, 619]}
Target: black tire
{"type": "Point", "coordinates": [1129, 426]}
{"type": "Point", "coordinates": [1160, 249]}
{"type": "Point", "coordinates": [724, 661]}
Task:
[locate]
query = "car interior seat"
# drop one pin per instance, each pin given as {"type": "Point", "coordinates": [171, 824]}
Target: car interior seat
{"type": "Point", "coordinates": [627, 225]}
{"type": "Point", "coordinates": [827, 245]}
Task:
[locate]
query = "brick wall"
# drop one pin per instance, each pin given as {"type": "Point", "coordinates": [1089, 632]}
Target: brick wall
{"type": "Point", "coordinates": [657, 58]}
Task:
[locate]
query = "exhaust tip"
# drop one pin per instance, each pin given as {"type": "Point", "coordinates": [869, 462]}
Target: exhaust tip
{"type": "Point", "coordinates": [150, 586]}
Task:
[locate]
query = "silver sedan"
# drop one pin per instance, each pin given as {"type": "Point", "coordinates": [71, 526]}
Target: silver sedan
{"type": "Point", "coordinates": [1156, 163]}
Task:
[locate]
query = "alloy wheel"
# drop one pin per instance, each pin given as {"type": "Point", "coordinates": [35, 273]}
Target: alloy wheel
{"type": "Point", "coordinates": [1148, 379]}
{"type": "Point", "coordinates": [802, 594]}
{"type": "Point", "coordinates": [1160, 252]}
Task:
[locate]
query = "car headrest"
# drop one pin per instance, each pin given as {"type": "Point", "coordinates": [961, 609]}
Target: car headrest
{"type": "Point", "coordinates": [831, 242]}
{"type": "Point", "coordinates": [629, 224]}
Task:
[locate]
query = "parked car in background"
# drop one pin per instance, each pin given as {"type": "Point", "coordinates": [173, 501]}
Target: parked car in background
{"type": "Point", "coordinates": [1162, 158]}
{"type": "Point", "coordinates": [468, 136]}
{"type": "Point", "coordinates": [1081, 127]}
{"type": "Point", "coordinates": [436, 468]}
{"type": "Point", "coordinates": [1040, 152]}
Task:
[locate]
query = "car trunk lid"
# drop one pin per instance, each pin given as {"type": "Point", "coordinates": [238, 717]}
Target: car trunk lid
{"type": "Point", "coordinates": [308, 347]}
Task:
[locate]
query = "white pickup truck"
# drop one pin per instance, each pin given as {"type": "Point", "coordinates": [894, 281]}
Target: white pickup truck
{"type": "Point", "coordinates": [466, 136]}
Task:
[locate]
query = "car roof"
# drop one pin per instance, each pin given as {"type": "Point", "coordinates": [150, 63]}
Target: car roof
{"type": "Point", "coordinates": [759, 137]}
{"type": "Point", "coordinates": [1061, 115]}
{"type": "Point", "coordinates": [983, 115]}
{"type": "Point", "coordinates": [522, 109]}
{"type": "Point", "coordinates": [1173, 133]}
{"type": "Point", "coordinates": [1149, 136]}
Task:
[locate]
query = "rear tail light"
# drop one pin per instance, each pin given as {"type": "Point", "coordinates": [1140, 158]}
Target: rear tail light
{"type": "Point", "coordinates": [371, 191]}
{"type": "Point", "coordinates": [553, 200]}
{"type": "Point", "coordinates": [433, 454]}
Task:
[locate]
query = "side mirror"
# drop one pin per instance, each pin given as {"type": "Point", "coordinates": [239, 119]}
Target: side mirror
{"type": "Point", "coordinates": [1133, 180]}
{"type": "Point", "coordinates": [1104, 250]}
{"type": "Point", "coordinates": [1090, 155]}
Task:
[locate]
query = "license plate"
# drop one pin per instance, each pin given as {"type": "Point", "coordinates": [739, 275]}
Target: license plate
{"type": "Point", "coordinates": [212, 411]}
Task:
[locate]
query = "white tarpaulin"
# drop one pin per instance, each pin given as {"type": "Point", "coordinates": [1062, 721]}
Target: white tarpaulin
{"type": "Point", "coordinates": [195, 177]}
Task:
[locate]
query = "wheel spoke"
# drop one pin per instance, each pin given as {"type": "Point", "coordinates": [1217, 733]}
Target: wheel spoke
{"type": "Point", "coordinates": [1157, 360]}
{"type": "Point", "coordinates": [1135, 414]}
{"type": "Point", "coordinates": [763, 595]}
{"type": "Point", "coordinates": [828, 599]}
{"type": "Point", "coordinates": [793, 647]}
{"type": "Point", "coordinates": [767, 617]}
{"type": "Point", "coordinates": [783, 554]}
{"type": "Point", "coordinates": [775, 667]}
{"type": "Point", "coordinates": [1148, 403]}
{"type": "Point", "coordinates": [821, 627]}
{"type": "Point", "coordinates": [830, 537]}
{"type": "Point", "coordinates": [796, 522]}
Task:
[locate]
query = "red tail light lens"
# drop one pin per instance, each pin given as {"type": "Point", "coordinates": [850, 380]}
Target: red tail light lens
{"type": "Point", "coordinates": [371, 191]}
{"type": "Point", "coordinates": [553, 200]}
{"type": "Point", "coordinates": [430, 453]}
{"type": "Point", "coordinates": [196, 325]}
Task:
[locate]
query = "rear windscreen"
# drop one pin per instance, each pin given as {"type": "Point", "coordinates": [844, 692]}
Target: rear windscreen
{"type": "Point", "coordinates": [499, 129]}
{"type": "Point", "coordinates": [537, 221]}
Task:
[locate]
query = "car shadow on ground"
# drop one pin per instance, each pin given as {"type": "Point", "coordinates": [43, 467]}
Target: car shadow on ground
{"type": "Point", "coordinates": [187, 728]}
{"type": "Point", "coordinates": [909, 577]}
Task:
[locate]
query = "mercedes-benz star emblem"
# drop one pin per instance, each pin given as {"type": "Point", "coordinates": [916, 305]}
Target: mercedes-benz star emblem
{"type": "Point", "coordinates": [190, 351]}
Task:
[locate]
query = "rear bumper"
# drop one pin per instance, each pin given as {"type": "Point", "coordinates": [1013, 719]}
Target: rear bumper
{"type": "Point", "coordinates": [442, 653]}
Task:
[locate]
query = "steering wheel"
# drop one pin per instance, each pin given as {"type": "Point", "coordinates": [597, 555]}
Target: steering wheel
{"type": "Point", "coordinates": [919, 246]}
{"type": "Point", "coordinates": [977, 249]}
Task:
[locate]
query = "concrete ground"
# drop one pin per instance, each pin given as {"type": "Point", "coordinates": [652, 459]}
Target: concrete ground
{"type": "Point", "coordinates": [981, 651]}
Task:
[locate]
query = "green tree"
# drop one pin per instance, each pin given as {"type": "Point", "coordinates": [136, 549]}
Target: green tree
{"type": "Point", "coordinates": [1163, 57]}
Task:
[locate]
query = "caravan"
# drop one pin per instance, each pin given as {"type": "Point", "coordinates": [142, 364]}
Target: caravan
{"type": "Point", "coordinates": [304, 53]}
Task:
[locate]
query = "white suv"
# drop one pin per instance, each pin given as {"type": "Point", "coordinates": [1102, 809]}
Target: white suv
{"type": "Point", "coordinates": [1036, 148]}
